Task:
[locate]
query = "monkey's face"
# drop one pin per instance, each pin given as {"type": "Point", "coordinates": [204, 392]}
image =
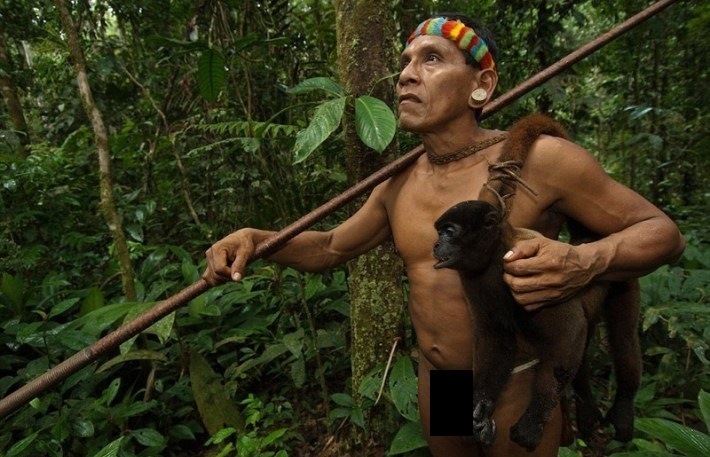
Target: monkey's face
{"type": "Point", "coordinates": [468, 232]}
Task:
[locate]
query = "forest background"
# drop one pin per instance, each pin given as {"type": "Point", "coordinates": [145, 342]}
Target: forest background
{"type": "Point", "coordinates": [190, 119]}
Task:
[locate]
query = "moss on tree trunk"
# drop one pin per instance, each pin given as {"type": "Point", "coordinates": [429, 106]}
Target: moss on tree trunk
{"type": "Point", "coordinates": [366, 35]}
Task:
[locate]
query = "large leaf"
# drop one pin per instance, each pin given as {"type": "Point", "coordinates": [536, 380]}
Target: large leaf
{"type": "Point", "coordinates": [162, 329]}
{"type": "Point", "coordinates": [375, 122]}
{"type": "Point", "coordinates": [111, 449]}
{"type": "Point", "coordinates": [689, 441]}
{"type": "Point", "coordinates": [408, 438]}
{"type": "Point", "coordinates": [704, 402]}
{"type": "Point", "coordinates": [216, 408]}
{"type": "Point", "coordinates": [403, 387]}
{"type": "Point", "coordinates": [211, 74]}
{"type": "Point", "coordinates": [13, 288]}
{"type": "Point", "coordinates": [318, 83]}
{"type": "Point", "coordinates": [139, 354]}
{"type": "Point", "coordinates": [325, 120]}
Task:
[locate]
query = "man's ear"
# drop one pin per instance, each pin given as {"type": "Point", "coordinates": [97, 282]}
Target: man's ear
{"type": "Point", "coordinates": [483, 87]}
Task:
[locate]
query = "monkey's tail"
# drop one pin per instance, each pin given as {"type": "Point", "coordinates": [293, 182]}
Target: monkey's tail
{"type": "Point", "coordinates": [505, 174]}
{"type": "Point", "coordinates": [525, 132]}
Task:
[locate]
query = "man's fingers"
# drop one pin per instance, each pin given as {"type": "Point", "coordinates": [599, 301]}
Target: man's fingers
{"type": "Point", "coordinates": [522, 250]}
{"type": "Point", "coordinates": [238, 267]}
{"type": "Point", "coordinates": [217, 271]}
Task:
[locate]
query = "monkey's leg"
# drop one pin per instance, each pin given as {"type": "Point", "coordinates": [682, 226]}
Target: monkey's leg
{"type": "Point", "coordinates": [587, 412]}
{"type": "Point", "coordinates": [527, 432]}
{"type": "Point", "coordinates": [494, 358]}
{"type": "Point", "coordinates": [560, 335]}
{"type": "Point", "coordinates": [622, 316]}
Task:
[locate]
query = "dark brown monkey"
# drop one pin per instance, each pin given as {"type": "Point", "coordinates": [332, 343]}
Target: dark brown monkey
{"type": "Point", "coordinates": [621, 309]}
{"type": "Point", "coordinates": [473, 236]}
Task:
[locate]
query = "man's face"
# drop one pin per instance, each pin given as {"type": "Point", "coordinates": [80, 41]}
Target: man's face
{"type": "Point", "coordinates": [434, 85]}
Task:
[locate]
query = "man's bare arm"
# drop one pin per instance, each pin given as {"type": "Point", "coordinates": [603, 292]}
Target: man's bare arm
{"type": "Point", "coordinates": [636, 238]}
{"type": "Point", "coordinates": [308, 251]}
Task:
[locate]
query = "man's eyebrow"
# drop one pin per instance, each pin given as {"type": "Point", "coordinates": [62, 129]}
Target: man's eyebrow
{"type": "Point", "coordinates": [427, 48]}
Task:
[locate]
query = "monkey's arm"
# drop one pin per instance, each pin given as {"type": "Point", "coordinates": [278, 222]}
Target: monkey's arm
{"type": "Point", "coordinates": [636, 237]}
{"type": "Point", "coordinates": [308, 251]}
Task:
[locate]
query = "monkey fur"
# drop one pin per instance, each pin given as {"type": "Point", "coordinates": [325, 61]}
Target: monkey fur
{"type": "Point", "coordinates": [473, 237]}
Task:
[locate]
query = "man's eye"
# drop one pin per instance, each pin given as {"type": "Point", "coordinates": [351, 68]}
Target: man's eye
{"type": "Point", "coordinates": [432, 58]}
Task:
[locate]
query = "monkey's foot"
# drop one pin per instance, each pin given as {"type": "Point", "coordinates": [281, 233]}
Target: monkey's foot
{"type": "Point", "coordinates": [588, 417]}
{"type": "Point", "coordinates": [484, 428]}
{"type": "Point", "coordinates": [527, 433]}
{"type": "Point", "coordinates": [621, 416]}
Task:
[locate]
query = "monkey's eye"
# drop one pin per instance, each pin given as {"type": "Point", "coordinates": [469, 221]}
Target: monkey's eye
{"type": "Point", "coordinates": [450, 230]}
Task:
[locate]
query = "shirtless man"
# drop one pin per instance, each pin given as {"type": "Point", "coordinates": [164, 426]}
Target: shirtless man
{"type": "Point", "coordinates": [441, 88]}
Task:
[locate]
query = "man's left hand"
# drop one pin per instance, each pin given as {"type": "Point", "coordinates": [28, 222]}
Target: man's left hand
{"type": "Point", "coordinates": [541, 271]}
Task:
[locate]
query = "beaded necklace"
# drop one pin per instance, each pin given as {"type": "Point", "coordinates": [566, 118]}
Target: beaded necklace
{"type": "Point", "coordinates": [466, 151]}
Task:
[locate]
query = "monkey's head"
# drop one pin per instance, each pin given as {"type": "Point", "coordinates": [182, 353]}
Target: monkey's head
{"type": "Point", "coordinates": [469, 233]}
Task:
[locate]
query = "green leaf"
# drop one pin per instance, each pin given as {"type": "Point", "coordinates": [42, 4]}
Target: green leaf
{"type": "Point", "coordinates": [149, 437]}
{"type": "Point", "coordinates": [358, 417]}
{"type": "Point", "coordinates": [140, 354]}
{"type": "Point", "coordinates": [83, 428]}
{"type": "Point", "coordinates": [211, 74]}
{"type": "Point", "coordinates": [162, 329]}
{"type": "Point", "coordinates": [216, 408]}
{"type": "Point", "coordinates": [566, 452]}
{"type": "Point", "coordinates": [318, 83]}
{"type": "Point", "coordinates": [273, 436]}
{"type": "Point", "coordinates": [62, 307]}
{"type": "Point", "coordinates": [294, 342]}
{"type": "Point", "coordinates": [19, 447]}
{"type": "Point", "coordinates": [325, 120]}
{"type": "Point", "coordinates": [408, 438]}
{"type": "Point", "coordinates": [96, 321]}
{"type": "Point", "coordinates": [222, 435]}
{"type": "Point", "coordinates": [13, 288]}
{"type": "Point", "coordinates": [375, 122]}
{"type": "Point", "coordinates": [298, 372]}
{"type": "Point", "coordinates": [691, 442]}
{"type": "Point", "coordinates": [110, 392]}
{"type": "Point", "coordinates": [182, 432]}
{"type": "Point", "coordinates": [111, 449]}
{"type": "Point", "coordinates": [370, 384]}
{"type": "Point", "coordinates": [343, 399]}
{"type": "Point", "coordinates": [704, 402]}
{"type": "Point", "coordinates": [403, 386]}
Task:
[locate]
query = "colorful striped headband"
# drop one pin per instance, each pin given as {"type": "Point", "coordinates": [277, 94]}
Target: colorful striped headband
{"type": "Point", "coordinates": [456, 31]}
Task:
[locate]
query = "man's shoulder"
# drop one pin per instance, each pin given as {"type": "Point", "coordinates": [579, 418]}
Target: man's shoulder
{"type": "Point", "coordinates": [553, 151]}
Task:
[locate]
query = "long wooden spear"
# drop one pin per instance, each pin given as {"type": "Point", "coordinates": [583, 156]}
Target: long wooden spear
{"type": "Point", "coordinates": [92, 353]}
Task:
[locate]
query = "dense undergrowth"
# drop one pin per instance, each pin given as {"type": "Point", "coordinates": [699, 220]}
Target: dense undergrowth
{"type": "Point", "coordinates": [261, 366]}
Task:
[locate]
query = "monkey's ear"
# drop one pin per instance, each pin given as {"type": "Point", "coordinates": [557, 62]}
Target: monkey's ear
{"type": "Point", "coordinates": [492, 219]}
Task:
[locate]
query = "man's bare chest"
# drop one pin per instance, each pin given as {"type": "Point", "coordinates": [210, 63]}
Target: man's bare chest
{"type": "Point", "coordinates": [419, 203]}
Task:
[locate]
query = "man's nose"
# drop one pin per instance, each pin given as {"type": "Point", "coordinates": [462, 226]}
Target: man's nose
{"type": "Point", "coordinates": [408, 75]}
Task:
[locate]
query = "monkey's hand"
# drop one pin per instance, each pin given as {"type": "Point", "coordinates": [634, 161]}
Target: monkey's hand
{"type": "Point", "coordinates": [227, 258]}
{"type": "Point", "coordinates": [484, 427]}
{"type": "Point", "coordinates": [541, 271]}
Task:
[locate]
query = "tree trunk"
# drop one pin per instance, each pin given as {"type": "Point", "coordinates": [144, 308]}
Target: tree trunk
{"type": "Point", "coordinates": [12, 101]}
{"type": "Point", "coordinates": [366, 37]}
{"type": "Point", "coordinates": [108, 206]}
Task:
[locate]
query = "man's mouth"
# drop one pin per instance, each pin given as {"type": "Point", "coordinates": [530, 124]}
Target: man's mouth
{"type": "Point", "coordinates": [409, 98]}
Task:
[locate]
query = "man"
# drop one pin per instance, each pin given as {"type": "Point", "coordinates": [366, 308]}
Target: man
{"type": "Point", "coordinates": [447, 75]}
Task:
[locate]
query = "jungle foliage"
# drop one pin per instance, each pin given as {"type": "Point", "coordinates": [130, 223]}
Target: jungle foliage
{"type": "Point", "coordinates": [225, 113]}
